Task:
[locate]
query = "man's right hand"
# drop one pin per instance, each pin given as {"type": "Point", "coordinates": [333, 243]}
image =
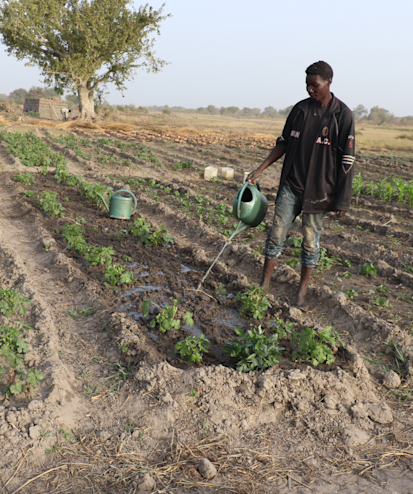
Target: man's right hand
{"type": "Point", "coordinates": [253, 176]}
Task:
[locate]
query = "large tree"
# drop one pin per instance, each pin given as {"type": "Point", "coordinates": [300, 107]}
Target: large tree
{"type": "Point", "coordinates": [81, 44]}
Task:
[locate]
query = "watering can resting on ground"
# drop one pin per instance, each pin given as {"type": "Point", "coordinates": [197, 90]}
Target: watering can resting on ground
{"type": "Point", "coordinates": [250, 207]}
{"type": "Point", "coordinates": [120, 207]}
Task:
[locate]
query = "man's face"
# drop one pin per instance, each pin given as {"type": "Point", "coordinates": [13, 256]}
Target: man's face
{"type": "Point", "coordinates": [317, 87]}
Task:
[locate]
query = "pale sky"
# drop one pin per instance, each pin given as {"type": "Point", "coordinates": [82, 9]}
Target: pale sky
{"type": "Point", "coordinates": [254, 54]}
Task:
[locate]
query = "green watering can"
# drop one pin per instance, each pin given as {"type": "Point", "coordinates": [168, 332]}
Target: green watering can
{"type": "Point", "coordinates": [250, 207]}
{"type": "Point", "coordinates": [120, 207]}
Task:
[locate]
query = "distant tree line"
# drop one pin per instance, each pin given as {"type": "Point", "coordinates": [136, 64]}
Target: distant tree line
{"type": "Point", "coordinates": [232, 111]}
{"type": "Point", "coordinates": [376, 115]}
{"type": "Point", "coordinates": [18, 96]}
{"type": "Point", "coordinates": [380, 116]}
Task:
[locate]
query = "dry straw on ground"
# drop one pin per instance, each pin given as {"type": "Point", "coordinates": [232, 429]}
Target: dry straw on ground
{"type": "Point", "coordinates": [92, 466]}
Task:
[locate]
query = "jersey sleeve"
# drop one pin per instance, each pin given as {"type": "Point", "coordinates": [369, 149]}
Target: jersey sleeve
{"type": "Point", "coordinates": [347, 158]}
{"type": "Point", "coordinates": [286, 133]}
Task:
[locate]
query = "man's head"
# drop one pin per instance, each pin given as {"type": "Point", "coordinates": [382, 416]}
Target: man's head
{"type": "Point", "coordinates": [318, 81]}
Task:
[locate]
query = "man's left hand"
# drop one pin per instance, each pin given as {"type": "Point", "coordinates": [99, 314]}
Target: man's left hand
{"type": "Point", "coordinates": [340, 214]}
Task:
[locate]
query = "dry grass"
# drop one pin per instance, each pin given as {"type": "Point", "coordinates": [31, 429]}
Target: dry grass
{"type": "Point", "coordinates": [368, 136]}
{"type": "Point", "coordinates": [91, 466]}
{"type": "Point", "coordinates": [383, 138]}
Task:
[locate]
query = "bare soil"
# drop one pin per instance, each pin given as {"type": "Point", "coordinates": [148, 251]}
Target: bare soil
{"type": "Point", "coordinates": [117, 402]}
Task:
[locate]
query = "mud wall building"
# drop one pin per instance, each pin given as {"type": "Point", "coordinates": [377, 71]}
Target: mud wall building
{"type": "Point", "coordinates": [46, 107]}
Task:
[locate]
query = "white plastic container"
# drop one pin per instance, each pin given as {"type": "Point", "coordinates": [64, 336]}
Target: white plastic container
{"type": "Point", "coordinates": [227, 173]}
{"type": "Point", "coordinates": [210, 172]}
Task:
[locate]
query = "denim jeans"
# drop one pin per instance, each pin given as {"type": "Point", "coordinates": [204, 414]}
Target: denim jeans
{"type": "Point", "coordinates": [287, 208]}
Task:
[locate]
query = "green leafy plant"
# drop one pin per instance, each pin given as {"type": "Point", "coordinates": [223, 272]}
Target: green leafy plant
{"type": "Point", "coordinates": [116, 274]}
{"type": "Point", "coordinates": [49, 204]}
{"type": "Point", "coordinates": [357, 184]}
{"type": "Point", "coordinates": [166, 319]}
{"type": "Point", "coordinates": [253, 350]}
{"type": "Point", "coordinates": [254, 302]}
{"type": "Point", "coordinates": [182, 165]}
{"type": "Point", "coordinates": [347, 275]}
{"type": "Point", "coordinates": [351, 293]}
{"type": "Point", "coordinates": [283, 328]}
{"type": "Point", "coordinates": [140, 228]}
{"type": "Point", "coordinates": [381, 301]}
{"type": "Point", "coordinates": [346, 263]}
{"type": "Point", "coordinates": [193, 393]}
{"type": "Point", "coordinates": [315, 347]}
{"type": "Point", "coordinates": [382, 289]}
{"type": "Point", "coordinates": [221, 290]}
{"type": "Point", "coordinates": [325, 262]}
{"type": "Point", "coordinates": [83, 312]}
{"type": "Point", "coordinates": [293, 262]}
{"type": "Point", "coordinates": [11, 301]}
{"type": "Point", "coordinates": [25, 178]}
{"type": "Point", "coordinates": [13, 347]}
{"type": "Point", "coordinates": [160, 237]}
{"type": "Point", "coordinates": [29, 193]}
{"type": "Point", "coordinates": [98, 256]}
{"type": "Point", "coordinates": [368, 269]}
{"type": "Point", "coordinates": [192, 348]}
{"type": "Point", "coordinates": [295, 241]}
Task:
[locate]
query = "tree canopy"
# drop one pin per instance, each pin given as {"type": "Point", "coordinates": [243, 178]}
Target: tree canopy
{"type": "Point", "coordinates": [82, 44]}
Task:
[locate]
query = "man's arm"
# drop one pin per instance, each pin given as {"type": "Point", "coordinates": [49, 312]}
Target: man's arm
{"type": "Point", "coordinates": [275, 155]}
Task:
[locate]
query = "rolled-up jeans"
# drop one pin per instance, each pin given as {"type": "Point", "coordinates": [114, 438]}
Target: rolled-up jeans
{"type": "Point", "coordinates": [288, 206]}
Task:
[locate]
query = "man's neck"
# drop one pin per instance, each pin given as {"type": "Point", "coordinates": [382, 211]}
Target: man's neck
{"type": "Point", "coordinates": [326, 101]}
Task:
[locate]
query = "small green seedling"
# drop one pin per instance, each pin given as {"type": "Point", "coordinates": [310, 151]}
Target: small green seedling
{"type": "Point", "coordinates": [351, 293]}
{"type": "Point", "coordinates": [295, 241]}
{"type": "Point", "coordinates": [221, 290]}
{"type": "Point", "coordinates": [166, 319]}
{"type": "Point", "coordinates": [116, 274]}
{"type": "Point", "coordinates": [11, 301]}
{"type": "Point", "coordinates": [347, 275]}
{"type": "Point", "coordinates": [192, 348]}
{"type": "Point", "coordinates": [382, 289]}
{"type": "Point", "coordinates": [160, 237]}
{"type": "Point", "coordinates": [314, 346]}
{"type": "Point", "coordinates": [193, 393]}
{"type": "Point", "coordinates": [83, 312]}
{"type": "Point", "coordinates": [368, 269]}
{"type": "Point", "coordinates": [254, 350]}
{"type": "Point", "coordinates": [283, 328]}
{"type": "Point", "coordinates": [25, 178]}
{"type": "Point", "coordinates": [293, 262]}
{"type": "Point", "coordinates": [99, 256]}
{"type": "Point", "coordinates": [347, 263]}
{"type": "Point", "coordinates": [254, 302]}
{"type": "Point", "coordinates": [49, 204]}
{"type": "Point", "coordinates": [381, 302]}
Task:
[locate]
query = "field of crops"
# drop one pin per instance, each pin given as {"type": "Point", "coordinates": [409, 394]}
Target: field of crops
{"type": "Point", "coordinates": [107, 344]}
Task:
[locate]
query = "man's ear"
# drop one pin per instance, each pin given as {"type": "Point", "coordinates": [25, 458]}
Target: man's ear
{"type": "Point", "coordinates": [329, 81]}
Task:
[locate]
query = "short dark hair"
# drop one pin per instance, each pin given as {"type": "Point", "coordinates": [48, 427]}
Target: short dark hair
{"type": "Point", "coordinates": [320, 68]}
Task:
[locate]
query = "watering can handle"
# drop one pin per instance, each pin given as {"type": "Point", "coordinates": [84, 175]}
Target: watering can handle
{"type": "Point", "coordinates": [134, 198]}
{"type": "Point", "coordinates": [241, 192]}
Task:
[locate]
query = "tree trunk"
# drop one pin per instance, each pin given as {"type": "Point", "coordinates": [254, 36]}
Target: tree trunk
{"type": "Point", "coordinates": [87, 104]}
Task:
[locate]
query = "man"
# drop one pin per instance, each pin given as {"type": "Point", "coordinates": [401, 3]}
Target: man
{"type": "Point", "coordinates": [319, 147]}
{"type": "Point", "coordinates": [65, 112]}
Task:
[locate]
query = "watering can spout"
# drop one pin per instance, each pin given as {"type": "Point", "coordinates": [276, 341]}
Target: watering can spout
{"type": "Point", "coordinates": [240, 228]}
{"type": "Point", "coordinates": [104, 202]}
